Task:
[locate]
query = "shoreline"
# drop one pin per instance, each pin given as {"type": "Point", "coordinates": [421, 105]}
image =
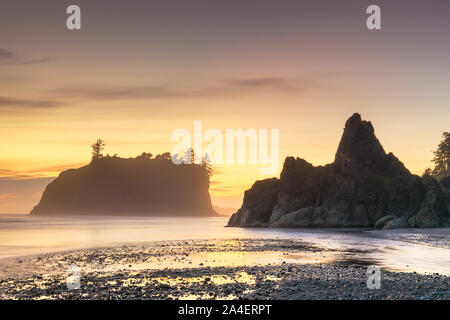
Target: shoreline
{"type": "Point", "coordinates": [212, 269]}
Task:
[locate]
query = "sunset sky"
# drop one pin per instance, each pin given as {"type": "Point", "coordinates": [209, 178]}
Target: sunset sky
{"type": "Point", "coordinates": [140, 69]}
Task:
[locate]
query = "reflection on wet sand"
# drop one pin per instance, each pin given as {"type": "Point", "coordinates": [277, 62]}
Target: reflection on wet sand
{"type": "Point", "coordinates": [218, 269]}
{"type": "Point", "coordinates": [159, 258]}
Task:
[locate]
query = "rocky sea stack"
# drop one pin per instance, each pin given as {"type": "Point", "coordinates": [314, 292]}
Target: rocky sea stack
{"type": "Point", "coordinates": [363, 187]}
{"type": "Point", "coordinates": [135, 186]}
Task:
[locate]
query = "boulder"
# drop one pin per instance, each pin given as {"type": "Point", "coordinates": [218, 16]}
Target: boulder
{"type": "Point", "coordinates": [298, 219]}
{"type": "Point", "coordinates": [380, 222]}
{"type": "Point", "coordinates": [397, 223]}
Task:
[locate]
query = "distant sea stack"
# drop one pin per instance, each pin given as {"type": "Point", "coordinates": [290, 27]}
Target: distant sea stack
{"type": "Point", "coordinates": [125, 187]}
{"type": "Point", "coordinates": [363, 187]}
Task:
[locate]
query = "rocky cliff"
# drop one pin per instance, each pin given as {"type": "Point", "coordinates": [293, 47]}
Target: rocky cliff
{"type": "Point", "coordinates": [363, 187]}
{"type": "Point", "coordinates": [117, 186]}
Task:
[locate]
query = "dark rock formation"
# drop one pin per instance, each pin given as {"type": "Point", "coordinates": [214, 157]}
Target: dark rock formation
{"type": "Point", "coordinates": [116, 186]}
{"type": "Point", "coordinates": [433, 211]}
{"type": "Point", "coordinates": [258, 204]}
{"type": "Point", "coordinates": [445, 183]}
{"type": "Point", "coordinates": [361, 186]}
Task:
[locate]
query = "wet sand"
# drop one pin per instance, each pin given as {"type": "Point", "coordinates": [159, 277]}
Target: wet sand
{"type": "Point", "coordinates": [212, 269]}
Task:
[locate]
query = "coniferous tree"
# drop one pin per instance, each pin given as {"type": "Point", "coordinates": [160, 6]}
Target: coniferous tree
{"type": "Point", "coordinates": [206, 165]}
{"type": "Point", "coordinates": [97, 149]}
{"type": "Point", "coordinates": [442, 157]}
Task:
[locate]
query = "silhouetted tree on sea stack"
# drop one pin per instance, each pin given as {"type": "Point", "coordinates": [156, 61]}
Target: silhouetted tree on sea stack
{"type": "Point", "coordinates": [206, 165]}
{"type": "Point", "coordinates": [189, 156]}
{"type": "Point", "coordinates": [97, 149]}
{"type": "Point", "coordinates": [145, 156]}
{"type": "Point", "coordinates": [164, 156]}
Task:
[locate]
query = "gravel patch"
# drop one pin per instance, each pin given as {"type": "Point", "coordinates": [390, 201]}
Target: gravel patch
{"type": "Point", "coordinates": [249, 269]}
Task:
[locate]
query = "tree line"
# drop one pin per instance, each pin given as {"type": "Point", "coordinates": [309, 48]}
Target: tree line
{"type": "Point", "coordinates": [189, 157]}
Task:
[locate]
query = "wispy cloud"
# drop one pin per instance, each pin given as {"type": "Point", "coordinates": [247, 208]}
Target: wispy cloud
{"type": "Point", "coordinates": [7, 174]}
{"type": "Point", "coordinates": [8, 57]}
{"type": "Point", "coordinates": [269, 82]}
{"type": "Point", "coordinates": [12, 102]}
{"type": "Point", "coordinates": [116, 92]}
{"type": "Point", "coordinates": [221, 89]}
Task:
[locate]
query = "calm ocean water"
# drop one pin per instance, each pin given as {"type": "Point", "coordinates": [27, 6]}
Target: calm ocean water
{"type": "Point", "coordinates": [22, 235]}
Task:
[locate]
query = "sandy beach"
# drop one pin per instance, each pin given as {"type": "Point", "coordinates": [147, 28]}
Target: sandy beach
{"type": "Point", "coordinates": [218, 269]}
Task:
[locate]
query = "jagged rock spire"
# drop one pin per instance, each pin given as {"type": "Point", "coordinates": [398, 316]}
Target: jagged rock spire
{"type": "Point", "coordinates": [359, 143]}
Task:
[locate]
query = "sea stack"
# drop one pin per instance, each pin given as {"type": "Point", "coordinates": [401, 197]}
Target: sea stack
{"type": "Point", "coordinates": [125, 187]}
{"type": "Point", "coordinates": [363, 187]}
